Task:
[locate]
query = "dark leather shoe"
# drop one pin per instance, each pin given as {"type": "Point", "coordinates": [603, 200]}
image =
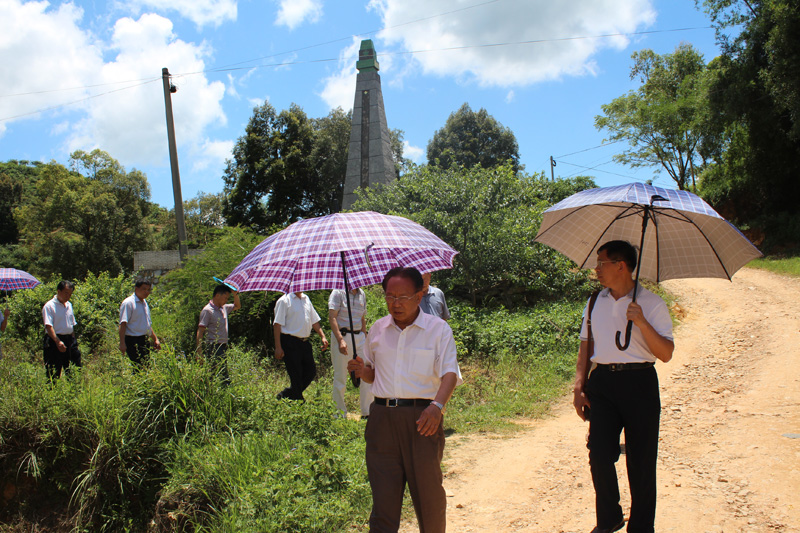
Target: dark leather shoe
{"type": "Point", "coordinates": [609, 529]}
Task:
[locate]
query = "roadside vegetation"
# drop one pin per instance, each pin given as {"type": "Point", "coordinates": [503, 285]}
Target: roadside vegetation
{"type": "Point", "coordinates": [788, 265]}
{"type": "Point", "coordinates": [169, 449]}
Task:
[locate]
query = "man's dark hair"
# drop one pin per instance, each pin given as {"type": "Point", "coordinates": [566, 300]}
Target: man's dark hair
{"type": "Point", "coordinates": [142, 281]}
{"type": "Point", "coordinates": [65, 284]}
{"type": "Point", "coordinates": [620, 251]}
{"type": "Point", "coordinates": [222, 289]}
{"type": "Point", "coordinates": [410, 273]}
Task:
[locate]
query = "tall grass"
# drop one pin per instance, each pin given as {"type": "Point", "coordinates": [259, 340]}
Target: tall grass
{"type": "Point", "coordinates": [168, 448]}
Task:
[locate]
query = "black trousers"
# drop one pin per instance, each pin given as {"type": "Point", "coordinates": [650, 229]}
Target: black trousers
{"type": "Point", "coordinates": [137, 348]}
{"type": "Point", "coordinates": [216, 355]}
{"type": "Point", "coordinates": [626, 400]}
{"type": "Point", "coordinates": [56, 361]}
{"type": "Point", "coordinates": [299, 360]}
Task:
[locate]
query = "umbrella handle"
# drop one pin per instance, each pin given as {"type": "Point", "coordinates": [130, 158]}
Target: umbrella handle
{"type": "Point", "coordinates": [628, 329]}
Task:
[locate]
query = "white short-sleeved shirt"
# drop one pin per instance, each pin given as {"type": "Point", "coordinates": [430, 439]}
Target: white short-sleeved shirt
{"type": "Point", "coordinates": [215, 319]}
{"type": "Point", "coordinates": [136, 313]}
{"type": "Point", "coordinates": [59, 315]}
{"type": "Point", "coordinates": [610, 315]}
{"type": "Point", "coordinates": [295, 315]}
{"type": "Point", "coordinates": [410, 362]}
{"type": "Point", "coordinates": [338, 302]}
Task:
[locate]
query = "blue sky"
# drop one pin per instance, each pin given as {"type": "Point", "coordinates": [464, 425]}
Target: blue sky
{"type": "Point", "coordinates": [87, 74]}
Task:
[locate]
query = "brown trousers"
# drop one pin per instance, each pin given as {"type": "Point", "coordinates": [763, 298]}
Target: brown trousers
{"type": "Point", "coordinates": [397, 454]}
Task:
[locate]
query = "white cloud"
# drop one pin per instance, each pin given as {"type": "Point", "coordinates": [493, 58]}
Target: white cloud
{"type": "Point", "coordinates": [414, 153]}
{"type": "Point", "coordinates": [292, 13]}
{"type": "Point", "coordinates": [201, 12]}
{"type": "Point", "coordinates": [510, 96]}
{"type": "Point", "coordinates": [46, 55]}
{"type": "Point", "coordinates": [543, 21]}
{"type": "Point", "coordinates": [131, 124]}
{"type": "Point", "coordinates": [212, 154]}
{"type": "Point", "coordinates": [120, 105]}
{"type": "Point", "coordinates": [339, 88]}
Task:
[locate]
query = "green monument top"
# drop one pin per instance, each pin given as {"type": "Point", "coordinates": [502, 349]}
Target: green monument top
{"type": "Point", "coordinates": [367, 58]}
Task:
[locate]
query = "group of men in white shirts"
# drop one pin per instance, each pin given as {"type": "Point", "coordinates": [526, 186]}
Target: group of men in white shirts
{"type": "Point", "coordinates": [408, 371]}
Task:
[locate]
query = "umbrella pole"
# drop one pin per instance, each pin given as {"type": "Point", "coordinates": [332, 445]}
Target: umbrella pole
{"type": "Point", "coordinates": [629, 327]}
{"type": "Point", "coordinates": [356, 381]}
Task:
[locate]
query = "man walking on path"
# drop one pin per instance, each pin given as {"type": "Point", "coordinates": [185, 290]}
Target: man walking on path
{"type": "Point", "coordinates": [622, 390]}
{"type": "Point", "coordinates": [135, 324]}
{"type": "Point", "coordinates": [213, 326]}
{"type": "Point", "coordinates": [339, 319]}
{"type": "Point", "coordinates": [60, 345]}
{"type": "Point", "coordinates": [410, 359]}
{"type": "Point", "coordinates": [433, 301]}
{"type": "Point", "coordinates": [295, 317]}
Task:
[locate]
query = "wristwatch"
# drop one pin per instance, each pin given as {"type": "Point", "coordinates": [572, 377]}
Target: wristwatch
{"type": "Point", "coordinates": [439, 405]}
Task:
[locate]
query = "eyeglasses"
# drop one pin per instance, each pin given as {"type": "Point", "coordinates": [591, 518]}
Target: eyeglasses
{"type": "Point", "coordinates": [395, 299]}
{"type": "Point", "coordinates": [601, 263]}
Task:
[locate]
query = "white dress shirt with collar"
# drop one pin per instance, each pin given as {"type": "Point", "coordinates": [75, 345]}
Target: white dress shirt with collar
{"type": "Point", "coordinates": [610, 315]}
{"type": "Point", "coordinates": [59, 315]}
{"type": "Point", "coordinates": [295, 315]}
{"type": "Point", "coordinates": [411, 362]}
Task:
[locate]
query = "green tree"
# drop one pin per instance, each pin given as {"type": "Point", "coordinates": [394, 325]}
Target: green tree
{"type": "Point", "coordinates": [491, 217]}
{"type": "Point", "coordinates": [755, 101]}
{"type": "Point", "coordinates": [17, 180]}
{"type": "Point", "coordinates": [664, 121]}
{"type": "Point", "coordinates": [203, 218]}
{"type": "Point", "coordinates": [471, 138]}
{"type": "Point", "coordinates": [75, 224]}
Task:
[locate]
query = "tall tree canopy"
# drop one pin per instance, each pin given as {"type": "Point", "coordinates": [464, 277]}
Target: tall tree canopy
{"type": "Point", "coordinates": [76, 223]}
{"type": "Point", "coordinates": [491, 217]}
{"type": "Point", "coordinates": [288, 166]}
{"type": "Point", "coordinates": [664, 120]}
{"type": "Point", "coordinates": [471, 138]}
{"type": "Point", "coordinates": [755, 99]}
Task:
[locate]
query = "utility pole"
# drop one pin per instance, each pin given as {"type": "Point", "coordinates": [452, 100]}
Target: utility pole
{"type": "Point", "coordinates": [173, 163]}
{"type": "Point", "coordinates": [552, 166]}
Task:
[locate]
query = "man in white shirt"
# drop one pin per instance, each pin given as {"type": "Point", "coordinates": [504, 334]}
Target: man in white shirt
{"type": "Point", "coordinates": [622, 390]}
{"type": "Point", "coordinates": [344, 334]}
{"type": "Point", "coordinates": [135, 324]}
{"type": "Point", "coordinates": [60, 345]}
{"type": "Point", "coordinates": [295, 317]}
{"type": "Point", "coordinates": [410, 359]}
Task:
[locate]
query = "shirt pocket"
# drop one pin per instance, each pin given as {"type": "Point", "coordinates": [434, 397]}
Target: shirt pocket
{"type": "Point", "coordinates": [423, 362]}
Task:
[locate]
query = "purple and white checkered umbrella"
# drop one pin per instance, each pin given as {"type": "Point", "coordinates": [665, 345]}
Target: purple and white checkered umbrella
{"type": "Point", "coordinates": [308, 255]}
{"type": "Point", "coordinates": [12, 279]}
{"type": "Point", "coordinates": [688, 239]}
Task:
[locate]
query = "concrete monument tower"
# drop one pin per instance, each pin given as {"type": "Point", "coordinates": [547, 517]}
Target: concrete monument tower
{"type": "Point", "coordinates": [369, 160]}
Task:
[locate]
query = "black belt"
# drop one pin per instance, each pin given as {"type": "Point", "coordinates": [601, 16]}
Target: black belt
{"type": "Point", "coordinates": [345, 330]}
{"type": "Point", "coordinates": [619, 367]}
{"type": "Point", "coordinates": [304, 339]}
{"type": "Point", "coordinates": [402, 402]}
{"type": "Point", "coordinates": [137, 336]}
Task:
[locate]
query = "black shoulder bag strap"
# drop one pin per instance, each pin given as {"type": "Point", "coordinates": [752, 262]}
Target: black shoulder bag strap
{"type": "Point", "coordinates": [590, 343]}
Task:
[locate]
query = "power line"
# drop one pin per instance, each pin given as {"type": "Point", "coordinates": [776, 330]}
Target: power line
{"type": "Point", "coordinates": [599, 170]}
{"type": "Point", "coordinates": [587, 149]}
{"type": "Point", "coordinates": [76, 101]}
{"type": "Point", "coordinates": [80, 88]}
{"type": "Point", "coordinates": [226, 68]}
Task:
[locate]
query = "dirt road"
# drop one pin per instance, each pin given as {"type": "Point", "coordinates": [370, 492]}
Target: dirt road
{"type": "Point", "coordinates": [730, 440]}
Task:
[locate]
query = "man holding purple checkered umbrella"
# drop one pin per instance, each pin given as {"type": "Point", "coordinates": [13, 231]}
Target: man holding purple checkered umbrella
{"type": "Point", "coordinates": [351, 250]}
